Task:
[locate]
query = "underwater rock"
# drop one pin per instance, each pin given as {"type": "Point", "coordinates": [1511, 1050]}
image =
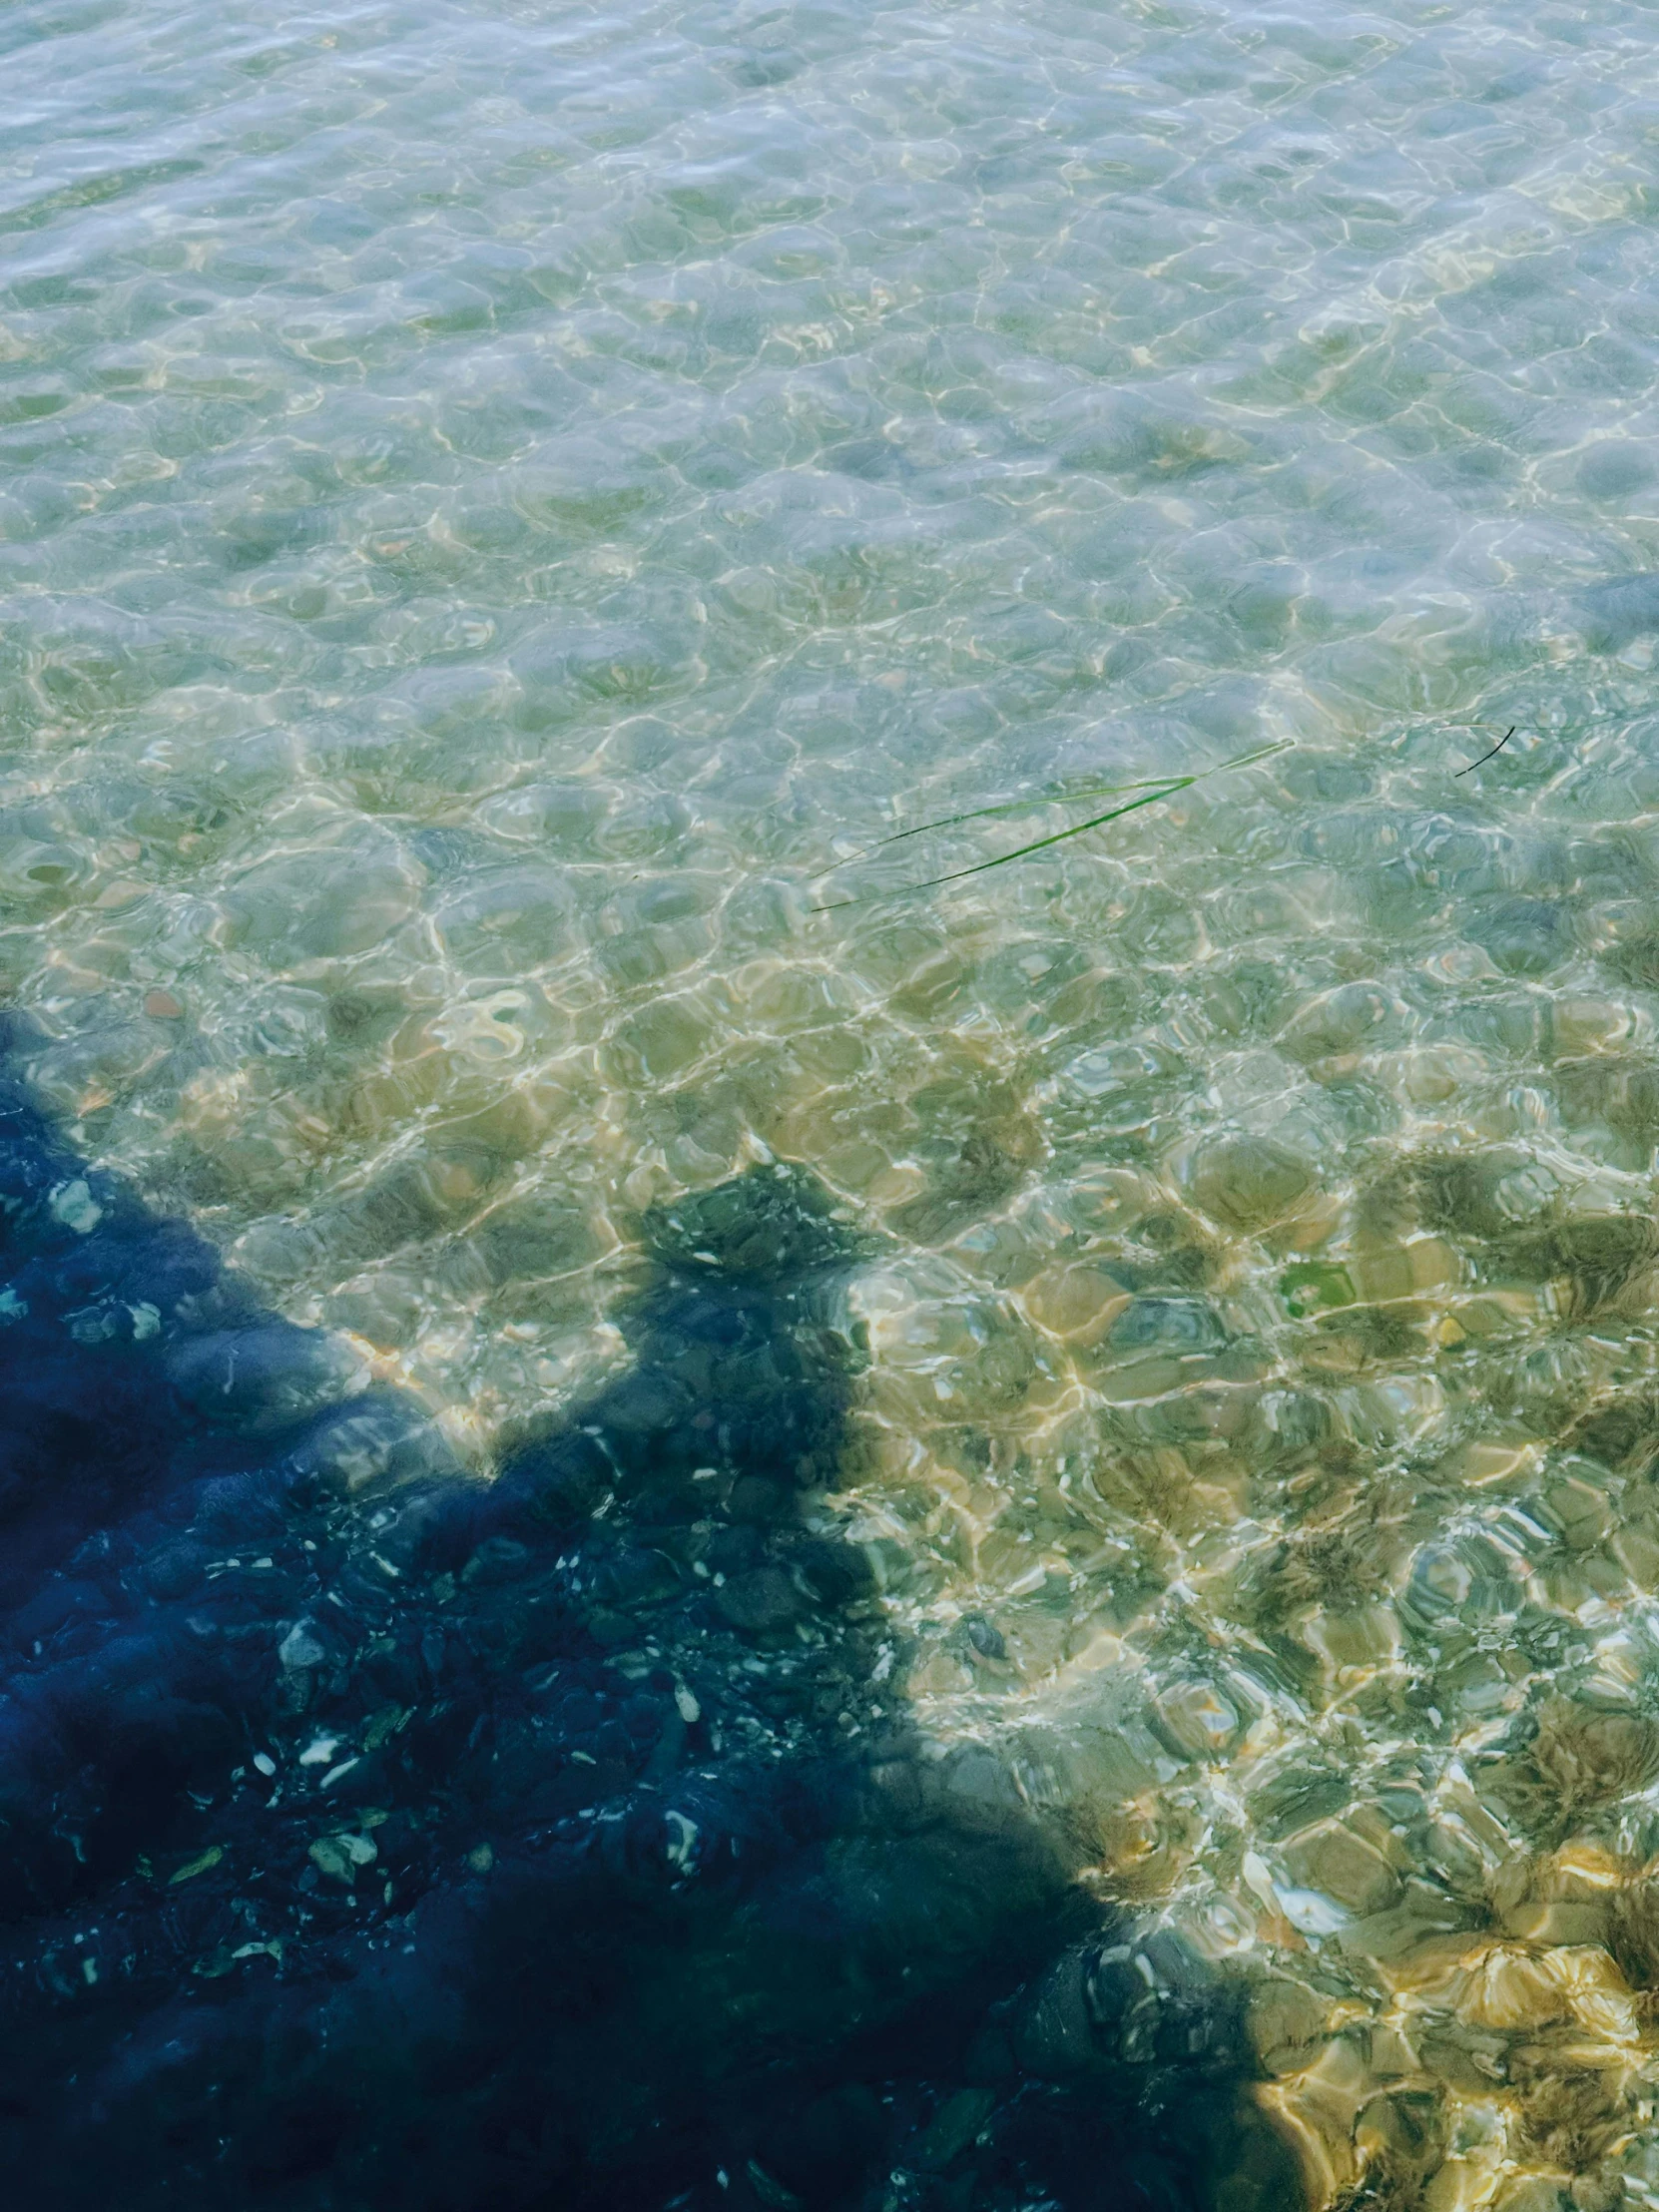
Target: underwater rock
{"type": "Point", "coordinates": [1616, 611]}
{"type": "Point", "coordinates": [1523, 936]}
{"type": "Point", "coordinates": [1247, 1183]}
{"type": "Point", "coordinates": [262, 1379]}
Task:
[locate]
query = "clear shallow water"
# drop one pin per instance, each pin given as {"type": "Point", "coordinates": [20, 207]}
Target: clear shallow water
{"type": "Point", "coordinates": [496, 503]}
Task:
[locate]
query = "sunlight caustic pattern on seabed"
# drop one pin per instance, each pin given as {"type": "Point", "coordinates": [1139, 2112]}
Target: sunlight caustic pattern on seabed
{"type": "Point", "coordinates": [498, 502]}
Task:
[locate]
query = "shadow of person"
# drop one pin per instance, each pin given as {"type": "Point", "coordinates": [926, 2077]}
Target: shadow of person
{"type": "Point", "coordinates": [376, 1835]}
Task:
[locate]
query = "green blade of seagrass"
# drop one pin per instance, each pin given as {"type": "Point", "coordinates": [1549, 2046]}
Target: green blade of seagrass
{"type": "Point", "coordinates": [1008, 807]}
{"type": "Point", "coordinates": [1037, 844]}
{"type": "Point", "coordinates": [1152, 789]}
{"type": "Point", "coordinates": [1062, 799]}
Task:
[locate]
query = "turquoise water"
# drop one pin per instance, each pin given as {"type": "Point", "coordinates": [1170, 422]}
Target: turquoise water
{"type": "Point", "coordinates": [496, 505]}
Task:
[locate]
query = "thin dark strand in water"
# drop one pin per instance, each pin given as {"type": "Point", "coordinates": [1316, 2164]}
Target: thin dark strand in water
{"type": "Point", "coordinates": [1497, 749]}
{"type": "Point", "coordinates": [1037, 845]}
{"type": "Point", "coordinates": [1152, 791]}
{"type": "Point", "coordinates": [1008, 807]}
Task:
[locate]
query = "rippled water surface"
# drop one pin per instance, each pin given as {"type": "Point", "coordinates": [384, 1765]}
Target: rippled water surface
{"type": "Point", "coordinates": [499, 502]}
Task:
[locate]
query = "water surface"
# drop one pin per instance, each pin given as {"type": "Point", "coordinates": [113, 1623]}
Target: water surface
{"type": "Point", "coordinates": [498, 502]}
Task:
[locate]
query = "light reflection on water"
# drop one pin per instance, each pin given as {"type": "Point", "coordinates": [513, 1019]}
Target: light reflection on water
{"type": "Point", "coordinates": [496, 503]}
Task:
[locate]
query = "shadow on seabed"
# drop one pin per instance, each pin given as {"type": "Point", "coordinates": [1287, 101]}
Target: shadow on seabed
{"type": "Point", "coordinates": [376, 1835]}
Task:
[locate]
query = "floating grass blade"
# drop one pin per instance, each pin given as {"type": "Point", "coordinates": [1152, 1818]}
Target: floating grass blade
{"type": "Point", "coordinates": [1010, 806]}
{"type": "Point", "coordinates": [1497, 749]}
{"type": "Point", "coordinates": [1037, 844]}
{"type": "Point", "coordinates": [1151, 790]}
{"type": "Point", "coordinates": [1064, 799]}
